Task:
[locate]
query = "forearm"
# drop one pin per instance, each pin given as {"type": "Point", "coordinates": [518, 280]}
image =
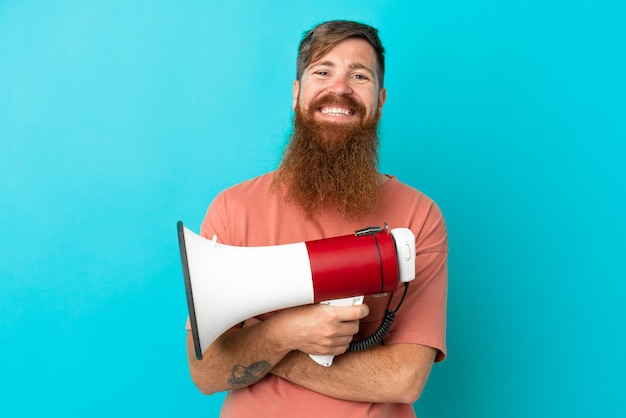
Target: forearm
{"type": "Point", "coordinates": [395, 373]}
{"type": "Point", "coordinates": [238, 358]}
{"type": "Point", "coordinates": [243, 356]}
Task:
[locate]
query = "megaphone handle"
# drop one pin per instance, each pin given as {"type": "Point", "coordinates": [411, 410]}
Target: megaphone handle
{"type": "Point", "coordinates": [327, 360]}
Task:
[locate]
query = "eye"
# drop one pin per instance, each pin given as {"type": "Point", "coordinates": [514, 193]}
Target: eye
{"type": "Point", "coordinates": [361, 77]}
{"type": "Point", "coordinates": [322, 73]}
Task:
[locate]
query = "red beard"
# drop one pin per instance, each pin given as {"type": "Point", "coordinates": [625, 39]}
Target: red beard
{"type": "Point", "coordinates": [332, 165]}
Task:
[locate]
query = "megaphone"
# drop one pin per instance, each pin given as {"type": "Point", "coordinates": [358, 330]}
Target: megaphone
{"type": "Point", "coordinates": [226, 284]}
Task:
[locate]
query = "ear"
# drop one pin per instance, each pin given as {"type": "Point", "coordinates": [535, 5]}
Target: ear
{"type": "Point", "coordinates": [296, 93]}
{"type": "Point", "coordinates": [382, 97]}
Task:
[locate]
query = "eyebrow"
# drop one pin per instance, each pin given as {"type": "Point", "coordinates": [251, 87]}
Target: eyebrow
{"type": "Point", "coordinates": [353, 66]}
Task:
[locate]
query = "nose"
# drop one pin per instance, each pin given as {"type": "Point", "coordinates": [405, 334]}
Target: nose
{"type": "Point", "coordinates": [340, 86]}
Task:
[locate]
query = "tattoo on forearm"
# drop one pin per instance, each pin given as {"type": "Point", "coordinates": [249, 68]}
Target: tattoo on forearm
{"type": "Point", "coordinates": [246, 375]}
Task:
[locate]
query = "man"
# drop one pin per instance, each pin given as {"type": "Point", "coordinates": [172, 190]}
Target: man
{"type": "Point", "coordinates": [328, 185]}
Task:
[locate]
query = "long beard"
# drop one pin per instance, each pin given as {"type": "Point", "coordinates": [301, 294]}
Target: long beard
{"type": "Point", "coordinates": [329, 165]}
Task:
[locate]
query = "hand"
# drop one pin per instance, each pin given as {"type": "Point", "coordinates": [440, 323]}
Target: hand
{"type": "Point", "coordinates": [320, 329]}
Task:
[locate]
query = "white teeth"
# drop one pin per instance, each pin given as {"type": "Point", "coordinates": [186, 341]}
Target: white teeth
{"type": "Point", "coordinates": [336, 111]}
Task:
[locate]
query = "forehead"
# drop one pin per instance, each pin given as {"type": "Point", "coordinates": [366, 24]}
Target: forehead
{"type": "Point", "coordinates": [354, 52]}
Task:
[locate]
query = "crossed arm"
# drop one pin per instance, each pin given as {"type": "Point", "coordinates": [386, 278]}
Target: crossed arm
{"type": "Point", "coordinates": [243, 356]}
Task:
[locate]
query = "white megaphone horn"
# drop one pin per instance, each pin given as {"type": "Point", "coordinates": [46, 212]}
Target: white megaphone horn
{"type": "Point", "coordinates": [226, 285]}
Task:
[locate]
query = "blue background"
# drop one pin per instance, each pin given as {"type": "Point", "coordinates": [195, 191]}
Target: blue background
{"type": "Point", "coordinates": [119, 118]}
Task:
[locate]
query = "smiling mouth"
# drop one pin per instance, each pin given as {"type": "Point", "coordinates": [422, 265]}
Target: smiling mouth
{"type": "Point", "coordinates": [336, 111]}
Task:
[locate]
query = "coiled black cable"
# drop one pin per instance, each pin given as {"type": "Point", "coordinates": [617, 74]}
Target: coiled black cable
{"type": "Point", "coordinates": [382, 330]}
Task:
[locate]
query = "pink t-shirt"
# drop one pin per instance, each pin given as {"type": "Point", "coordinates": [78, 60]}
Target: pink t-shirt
{"type": "Point", "coordinates": [249, 215]}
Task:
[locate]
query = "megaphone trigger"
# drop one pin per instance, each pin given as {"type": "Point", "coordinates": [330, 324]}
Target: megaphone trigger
{"type": "Point", "coordinates": [327, 360]}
